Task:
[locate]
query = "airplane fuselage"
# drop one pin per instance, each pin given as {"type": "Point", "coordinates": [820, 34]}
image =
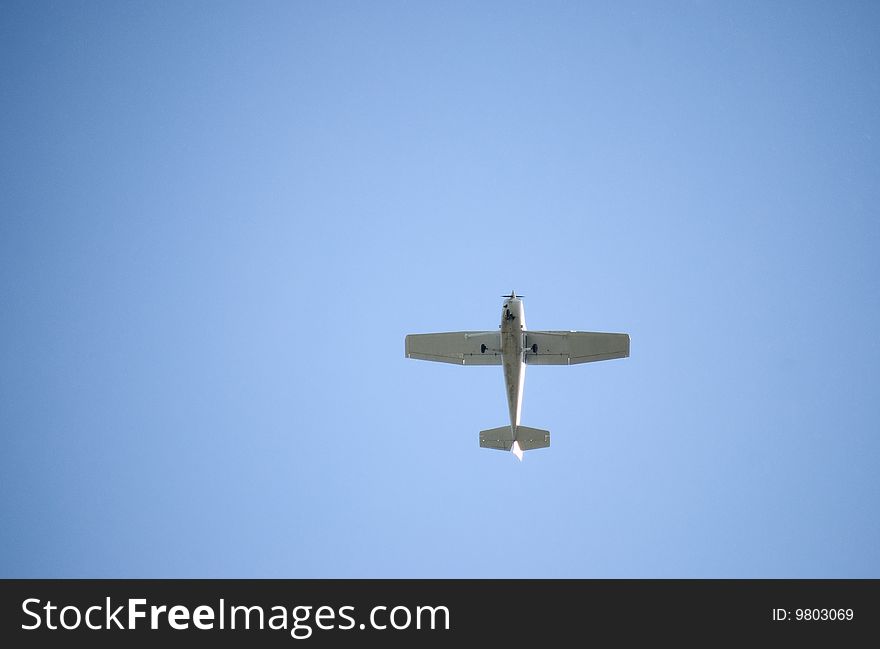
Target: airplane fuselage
{"type": "Point", "coordinates": [513, 326]}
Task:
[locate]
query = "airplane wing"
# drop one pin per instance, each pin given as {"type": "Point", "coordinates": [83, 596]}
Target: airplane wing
{"type": "Point", "coordinates": [459, 347]}
{"type": "Point", "coordinates": [570, 347]}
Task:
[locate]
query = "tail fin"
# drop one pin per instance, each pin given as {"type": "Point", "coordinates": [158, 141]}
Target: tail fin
{"type": "Point", "coordinates": [525, 439]}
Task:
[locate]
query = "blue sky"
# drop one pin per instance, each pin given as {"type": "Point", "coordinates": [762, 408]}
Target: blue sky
{"type": "Point", "coordinates": [218, 221]}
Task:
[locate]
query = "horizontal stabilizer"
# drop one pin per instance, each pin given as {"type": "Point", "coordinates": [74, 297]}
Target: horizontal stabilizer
{"type": "Point", "coordinates": [532, 438]}
{"type": "Point", "coordinates": [502, 438]}
{"type": "Point", "coordinates": [498, 438]}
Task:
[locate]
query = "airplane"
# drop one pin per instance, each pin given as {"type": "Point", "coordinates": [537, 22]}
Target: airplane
{"type": "Point", "coordinates": [514, 347]}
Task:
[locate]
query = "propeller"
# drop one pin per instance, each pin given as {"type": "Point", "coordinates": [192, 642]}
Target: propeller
{"type": "Point", "coordinates": [512, 295]}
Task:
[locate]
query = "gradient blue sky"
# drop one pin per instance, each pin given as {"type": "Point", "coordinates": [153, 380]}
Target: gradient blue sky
{"type": "Point", "coordinates": [218, 221]}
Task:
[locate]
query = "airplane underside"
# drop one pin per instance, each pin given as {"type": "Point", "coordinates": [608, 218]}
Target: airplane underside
{"type": "Point", "coordinates": [514, 347]}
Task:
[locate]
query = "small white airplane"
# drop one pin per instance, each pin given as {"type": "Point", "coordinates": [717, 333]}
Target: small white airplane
{"type": "Point", "coordinates": [514, 347]}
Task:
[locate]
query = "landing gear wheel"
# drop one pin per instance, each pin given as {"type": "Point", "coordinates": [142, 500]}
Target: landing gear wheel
{"type": "Point", "coordinates": [483, 349]}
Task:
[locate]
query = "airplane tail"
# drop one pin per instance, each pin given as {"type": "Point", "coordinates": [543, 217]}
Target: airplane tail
{"type": "Point", "coordinates": [525, 439]}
